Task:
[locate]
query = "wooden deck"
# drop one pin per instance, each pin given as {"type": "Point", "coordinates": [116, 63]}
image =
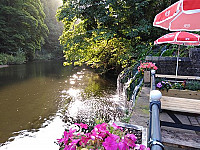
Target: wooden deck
{"type": "Point", "coordinates": [180, 104]}
{"type": "Point", "coordinates": [180, 122]}
{"type": "Point", "coordinates": [177, 77]}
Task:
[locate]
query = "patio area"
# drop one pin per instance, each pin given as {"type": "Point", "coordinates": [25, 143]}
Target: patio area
{"type": "Point", "coordinates": [180, 111]}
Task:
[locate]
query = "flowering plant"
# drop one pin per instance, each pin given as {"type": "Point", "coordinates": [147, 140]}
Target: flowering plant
{"type": "Point", "coordinates": [164, 85]}
{"type": "Point", "coordinates": [102, 137]}
{"type": "Point", "coordinates": [147, 66]}
{"type": "Point", "coordinates": [180, 86]}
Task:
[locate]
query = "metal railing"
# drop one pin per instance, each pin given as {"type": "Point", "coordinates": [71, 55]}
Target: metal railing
{"type": "Point", "coordinates": [154, 139]}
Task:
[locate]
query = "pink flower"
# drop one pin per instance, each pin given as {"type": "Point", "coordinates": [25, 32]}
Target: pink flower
{"type": "Point", "coordinates": [84, 140]}
{"type": "Point", "coordinates": [155, 68]}
{"type": "Point", "coordinates": [147, 66]}
{"type": "Point", "coordinates": [159, 85]}
{"type": "Point", "coordinates": [85, 126]}
{"type": "Point", "coordinates": [131, 136]}
{"type": "Point", "coordinates": [130, 140]}
{"type": "Point", "coordinates": [116, 127]}
{"type": "Point", "coordinates": [101, 136]}
{"type": "Point", "coordinates": [143, 147]}
{"type": "Point", "coordinates": [101, 127]}
{"type": "Point", "coordinates": [110, 142]}
{"type": "Point", "coordinates": [100, 131]}
{"type": "Point", "coordinates": [122, 146]}
{"type": "Point", "coordinates": [66, 137]}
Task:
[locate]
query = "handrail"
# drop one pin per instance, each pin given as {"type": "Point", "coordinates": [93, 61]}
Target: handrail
{"type": "Point", "coordinates": [155, 140]}
{"type": "Point", "coordinates": [135, 92]}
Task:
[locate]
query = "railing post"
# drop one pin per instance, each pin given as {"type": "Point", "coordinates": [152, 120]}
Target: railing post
{"type": "Point", "coordinates": [155, 141]}
{"type": "Point", "coordinates": [153, 82]}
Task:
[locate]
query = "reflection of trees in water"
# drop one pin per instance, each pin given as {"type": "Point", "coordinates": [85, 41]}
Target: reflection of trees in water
{"type": "Point", "coordinates": [95, 101]}
{"type": "Point", "coordinates": [50, 69]}
{"type": "Point", "coordinates": [97, 87]}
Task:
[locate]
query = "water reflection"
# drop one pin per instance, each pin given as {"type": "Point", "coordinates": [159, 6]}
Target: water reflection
{"type": "Point", "coordinates": [91, 97]}
{"type": "Point", "coordinates": [44, 138]}
{"type": "Point", "coordinates": [34, 99]}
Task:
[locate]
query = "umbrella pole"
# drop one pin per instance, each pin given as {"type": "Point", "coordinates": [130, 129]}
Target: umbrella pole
{"type": "Point", "coordinates": [177, 61]}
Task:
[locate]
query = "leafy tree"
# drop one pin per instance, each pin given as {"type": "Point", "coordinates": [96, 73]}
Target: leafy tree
{"type": "Point", "coordinates": [52, 44]}
{"type": "Point", "coordinates": [110, 34]}
{"type": "Point", "coordinates": [22, 26]}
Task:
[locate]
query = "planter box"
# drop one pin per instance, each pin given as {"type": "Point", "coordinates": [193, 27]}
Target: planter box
{"type": "Point", "coordinates": [139, 131]}
{"type": "Point", "coordinates": [181, 93]}
{"type": "Point", "coordinates": [147, 76]}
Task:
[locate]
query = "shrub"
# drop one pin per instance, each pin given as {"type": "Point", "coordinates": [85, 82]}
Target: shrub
{"type": "Point", "coordinates": [19, 58]}
{"type": "Point", "coordinates": [193, 85]}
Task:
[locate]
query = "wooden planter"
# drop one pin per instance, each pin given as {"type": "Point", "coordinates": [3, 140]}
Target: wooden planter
{"type": "Point", "coordinates": [181, 93]}
{"type": "Point", "coordinates": [147, 76]}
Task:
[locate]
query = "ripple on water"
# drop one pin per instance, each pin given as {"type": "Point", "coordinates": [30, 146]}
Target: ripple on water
{"type": "Point", "coordinates": [51, 101]}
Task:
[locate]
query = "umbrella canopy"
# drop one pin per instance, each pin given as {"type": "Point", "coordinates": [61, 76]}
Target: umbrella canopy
{"type": "Point", "coordinates": [180, 38]}
{"type": "Point", "coordinates": [182, 15]}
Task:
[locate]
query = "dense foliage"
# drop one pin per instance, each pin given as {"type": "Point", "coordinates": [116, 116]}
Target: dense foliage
{"type": "Point", "coordinates": [52, 45]}
{"type": "Point", "coordinates": [22, 27]}
{"type": "Point", "coordinates": [19, 58]}
{"type": "Point", "coordinates": [109, 34]}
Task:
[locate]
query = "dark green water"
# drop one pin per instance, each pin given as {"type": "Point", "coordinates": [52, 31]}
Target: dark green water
{"type": "Point", "coordinates": [35, 97]}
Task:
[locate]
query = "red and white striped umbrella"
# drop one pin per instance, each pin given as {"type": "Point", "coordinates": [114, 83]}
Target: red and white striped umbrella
{"type": "Point", "coordinates": [182, 15]}
{"type": "Point", "coordinates": [179, 38]}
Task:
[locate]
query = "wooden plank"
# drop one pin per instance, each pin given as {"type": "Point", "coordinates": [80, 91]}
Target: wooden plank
{"type": "Point", "coordinates": [180, 104]}
{"type": "Point", "coordinates": [181, 93]}
{"type": "Point", "coordinates": [177, 77]}
{"type": "Point", "coordinates": [147, 76]}
{"type": "Point", "coordinates": [177, 103]}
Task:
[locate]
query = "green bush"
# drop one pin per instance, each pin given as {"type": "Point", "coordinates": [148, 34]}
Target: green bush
{"type": "Point", "coordinates": [20, 57]}
{"type": "Point", "coordinates": [193, 85]}
{"type": "Point", "coordinates": [6, 59]}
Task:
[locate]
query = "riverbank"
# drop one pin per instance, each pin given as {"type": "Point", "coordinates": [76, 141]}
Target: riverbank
{"type": "Point", "coordinates": [3, 66]}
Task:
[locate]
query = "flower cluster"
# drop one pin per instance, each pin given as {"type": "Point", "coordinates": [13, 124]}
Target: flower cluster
{"type": "Point", "coordinates": [147, 66]}
{"type": "Point", "coordinates": [180, 85]}
{"type": "Point", "coordinates": [164, 85]}
{"type": "Point", "coordinates": [102, 136]}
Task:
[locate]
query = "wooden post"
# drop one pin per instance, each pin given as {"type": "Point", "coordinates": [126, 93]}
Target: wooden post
{"type": "Point", "coordinates": [147, 76]}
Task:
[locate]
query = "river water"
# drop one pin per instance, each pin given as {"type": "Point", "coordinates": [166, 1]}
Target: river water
{"type": "Point", "coordinates": [39, 100]}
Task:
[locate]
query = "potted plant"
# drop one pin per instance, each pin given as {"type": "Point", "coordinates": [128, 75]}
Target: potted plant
{"type": "Point", "coordinates": [145, 69]}
{"type": "Point", "coordinates": [102, 137]}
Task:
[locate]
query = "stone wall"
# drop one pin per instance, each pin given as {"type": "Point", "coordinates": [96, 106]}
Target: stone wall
{"type": "Point", "coordinates": [188, 66]}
